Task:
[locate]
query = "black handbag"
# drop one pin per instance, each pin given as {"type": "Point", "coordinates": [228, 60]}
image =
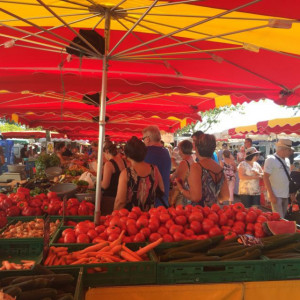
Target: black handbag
{"type": "Point", "coordinates": [292, 184]}
{"type": "Point", "coordinates": [293, 215]}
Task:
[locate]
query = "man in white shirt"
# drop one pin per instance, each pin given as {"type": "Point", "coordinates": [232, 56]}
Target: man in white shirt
{"type": "Point", "coordinates": [275, 177]}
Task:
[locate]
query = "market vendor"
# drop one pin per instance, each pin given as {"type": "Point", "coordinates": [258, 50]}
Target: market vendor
{"type": "Point", "coordinates": [59, 150]}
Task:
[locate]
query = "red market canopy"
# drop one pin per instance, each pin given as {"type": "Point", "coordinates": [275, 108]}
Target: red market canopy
{"type": "Point", "coordinates": [29, 135]}
{"type": "Point", "coordinates": [276, 126]}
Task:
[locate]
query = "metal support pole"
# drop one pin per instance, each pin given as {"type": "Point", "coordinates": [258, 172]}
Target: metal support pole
{"type": "Point", "coordinates": [102, 119]}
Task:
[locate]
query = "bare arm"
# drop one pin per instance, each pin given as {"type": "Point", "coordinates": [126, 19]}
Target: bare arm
{"type": "Point", "coordinates": [121, 197]}
{"type": "Point", "coordinates": [268, 186]}
{"type": "Point", "coordinates": [195, 183]}
{"type": "Point", "coordinates": [180, 171]}
{"type": "Point", "coordinates": [107, 173]}
{"type": "Point", "coordinates": [224, 192]}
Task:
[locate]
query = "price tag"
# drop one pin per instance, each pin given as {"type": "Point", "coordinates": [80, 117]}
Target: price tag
{"type": "Point", "coordinates": [249, 240]}
{"type": "Point", "coordinates": [46, 237]}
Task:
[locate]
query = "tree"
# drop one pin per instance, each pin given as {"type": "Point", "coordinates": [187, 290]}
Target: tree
{"type": "Point", "coordinates": [209, 118]}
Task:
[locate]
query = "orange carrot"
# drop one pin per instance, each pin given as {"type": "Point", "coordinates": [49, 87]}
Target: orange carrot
{"type": "Point", "coordinates": [149, 247]}
{"type": "Point", "coordinates": [128, 256]}
{"type": "Point", "coordinates": [132, 253]}
{"type": "Point", "coordinates": [7, 265]}
{"type": "Point", "coordinates": [105, 249]}
{"type": "Point", "coordinates": [51, 260]}
{"type": "Point", "coordinates": [118, 241]}
{"type": "Point", "coordinates": [116, 249]}
{"type": "Point", "coordinates": [94, 248]}
{"type": "Point", "coordinates": [61, 253]}
{"type": "Point", "coordinates": [47, 260]}
{"type": "Point", "coordinates": [80, 261]}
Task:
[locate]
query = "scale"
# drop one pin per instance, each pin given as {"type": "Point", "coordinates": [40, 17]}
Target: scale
{"type": "Point", "coordinates": [8, 177]}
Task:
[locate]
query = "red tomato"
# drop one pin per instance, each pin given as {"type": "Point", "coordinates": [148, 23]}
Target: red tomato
{"type": "Point", "coordinates": [229, 213]}
{"type": "Point", "coordinates": [223, 219]}
{"type": "Point", "coordinates": [276, 216]}
{"type": "Point", "coordinates": [240, 224]}
{"type": "Point", "coordinates": [113, 229]}
{"type": "Point", "coordinates": [136, 210]}
{"type": "Point", "coordinates": [215, 207]}
{"type": "Point", "coordinates": [100, 228]}
{"type": "Point", "coordinates": [51, 195]}
{"type": "Point", "coordinates": [169, 223]}
{"type": "Point", "coordinates": [251, 217]}
{"type": "Point", "coordinates": [174, 228]}
{"type": "Point", "coordinates": [162, 230]}
{"type": "Point", "coordinates": [153, 211]}
{"type": "Point", "coordinates": [97, 240]}
{"type": "Point", "coordinates": [153, 226]}
{"type": "Point", "coordinates": [132, 229]}
{"type": "Point", "coordinates": [164, 217]}
{"type": "Point", "coordinates": [128, 239]}
{"type": "Point", "coordinates": [250, 227]}
{"type": "Point", "coordinates": [214, 231]}
{"type": "Point", "coordinates": [130, 221]}
{"type": "Point", "coordinates": [115, 213]}
{"type": "Point", "coordinates": [238, 207]}
{"type": "Point", "coordinates": [181, 220]}
{"type": "Point", "coordinates": [81, 228]}
{"type": "Point", "coordinates": [257, 226]}
{"type": "Point", "coordinates": [189, 208]}
{"type": "Point", "coordinates": [68, 230]}
{"type": "Point", "coordinates": [69, 238]}
{"type": "Point", "coordinates": [214, 217]}
{"type": "Point", "coordinates": [178, 236]}
{"type": "Point", "coordinates": [112, 237]}
{"type": "Point", "coordinates": [230, 222]}
{"type": "Point", "coordinates": [229, 235]}
{"type": "Point", "coordinates": [115, 221]}
{"type": "Point", "coordinates": [123, 212]}
{"type": "Point", "coordinates": [206, 211]}
{"type": "Point", "coordinates": [154, 237]}
{"type": "Point", "coordinates": [180, 210]}
{"type": "Point", "coordinates": [146, 232]}
{"type": "Point", "coordinates": [240, 216]}
{"type": "Point", "coordinates": [103, 236]}
{"type": "Point", "coordinates": [196, 216]}
{"type": "Point", "coordinates": [162, 210]}
{"type": "Point", "coordinates": [259, 233]}
{"type": "Point", "coordinates": [261, 219]}
{"type": "Point", "coordinates": [168, 238]}
{"type": "Point", "coordinates": [207, 224]}
{"type": "Point", "coordinates": [196, 227]}
{"type": "Point", "coordinates": [172, 211]}
{"type": "Point", "coordinates": [188, 232]}
{"type": "Point", "coordinates": [142, 222]}
{"type": "Point", "coordinates": [225, 228]}
{"type": "Point", "coordinates": [92, 233]}
{"type": "Point", "coordinates": [132, 215]}
{"type": "Point", "coordinates": [202, 237]}
{"type": "Point", "coordinates": [139, 238]}
{"type": "Point", "coordinates": [238, 229]}
{"type": "Point", "coordinates": [60, 240]}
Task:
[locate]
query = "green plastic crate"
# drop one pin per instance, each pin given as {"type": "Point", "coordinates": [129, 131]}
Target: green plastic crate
{"type": "Point", "coordinates": [209, 271]}
{"type": "Point", "coordinates": [282, 269]}
{"type": "Point", "coordinates": [21, 246]}
{"type": "Point", "coordinates": [125, 273]}
{"type": "Point", "coordinates": [76, 219]}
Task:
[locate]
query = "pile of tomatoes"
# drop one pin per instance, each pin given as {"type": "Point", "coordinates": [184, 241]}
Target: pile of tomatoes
{"type": "Point", "coordinates": [172, 224]}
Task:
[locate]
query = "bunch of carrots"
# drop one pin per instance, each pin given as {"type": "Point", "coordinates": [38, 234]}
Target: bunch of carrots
{"type": "Point", "coordinates": [23, 265]}
{"type": "Point", "coordinates": [103, 252]}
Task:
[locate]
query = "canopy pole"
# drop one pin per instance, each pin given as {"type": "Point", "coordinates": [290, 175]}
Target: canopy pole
{"type": "Point", "coordinates": [102, 118]}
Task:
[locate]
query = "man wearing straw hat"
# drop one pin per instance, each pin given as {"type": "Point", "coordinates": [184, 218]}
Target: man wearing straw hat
{"type": "Point", "coordinates": [275, 176]}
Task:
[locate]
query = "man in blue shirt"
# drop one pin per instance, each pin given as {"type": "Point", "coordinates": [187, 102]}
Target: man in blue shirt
{"type": "Point", "coordinates": [159, 156]}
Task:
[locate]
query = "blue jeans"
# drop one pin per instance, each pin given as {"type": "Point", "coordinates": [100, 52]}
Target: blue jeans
{"type": "Point", "coordinates": [250, 200]}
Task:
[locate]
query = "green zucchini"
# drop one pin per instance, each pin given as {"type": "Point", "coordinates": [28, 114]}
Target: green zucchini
{"type": "Point", "coordinates": [241, 252]}
{"type": "Point", "coordinates": [196, 246]}
{"type": "Point", "coordinates": [224, 250]}
{"type": "Point", "coordinates": [30, 284]}
{"type": "Point", "coordinates": [38, 294]}
{"type": "Point", "coordinates": [13, 291]}
{"type": "Point", "coordinates": [56, 279]}
{"type": "Point", "coordinates": [249, 255]}
{"type": "Point", "coordinates": [174, 255]}
{"type": "Point", "coordinates": [66, 296]}
{"type": "Point", "coordinates": [283, 240]}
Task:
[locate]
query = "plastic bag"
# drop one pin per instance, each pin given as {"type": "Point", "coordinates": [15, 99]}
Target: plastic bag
{"type": "Point", "coordinates": [87, 176]}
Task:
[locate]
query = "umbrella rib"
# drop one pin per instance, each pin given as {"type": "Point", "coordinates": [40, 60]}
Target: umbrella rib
{"type": "Point", "coordinates": [132, 28]}
{"type": "Point", "coordinates": [189, 26]}
{"type": "Point", "coordinates": [43, 29]}
{"type": "Point", "coordinates": [70, 28]}
{"type": "Point", "coordinates": [76, 3]}
{"type": "Point", "coordinates": [198, 40]}
{"type": "Point", "coordinates": [196, 16]}
{"type": "Point", "coordinates": [35, 4]}
{"type": "Point", "coordinates": [159, 5]}
{"type": "Point", "coordinates": [95, 26]}
{"type": "Point", "coordinates": [57, 27]}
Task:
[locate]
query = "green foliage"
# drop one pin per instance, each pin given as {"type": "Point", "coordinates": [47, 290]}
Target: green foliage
{"type": "Point", "coordinates": [45, 161]}
{"type": "Point", "coordinates": [211, 117]}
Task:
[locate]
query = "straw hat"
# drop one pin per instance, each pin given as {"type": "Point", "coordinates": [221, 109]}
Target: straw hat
{"type": "Point", "coordinates": [250, 151]}
{"type": "Point", "coordinates": [285, 143]}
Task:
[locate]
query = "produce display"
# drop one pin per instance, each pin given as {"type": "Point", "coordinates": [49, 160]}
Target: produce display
{"type": "Point", "coordinates": [31, 229]}
{"type": "Point", "coordinates": [217, 249]}
{"type": "Point", "coordinates": [45, 161]}
{"type": "Point", "coordinates": [102, 252]}
{"type": "Point", "coordinates": [172, 224]}
{"type": "Point", "coordinates": [22, 203]}
{"type": "Point", "coordinates": [41, 286]}
{"type": "Point", "coordinates": [24, 265]}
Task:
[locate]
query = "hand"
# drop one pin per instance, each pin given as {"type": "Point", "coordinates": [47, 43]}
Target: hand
{"type": "Point", "coordinates": [273, 199]}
